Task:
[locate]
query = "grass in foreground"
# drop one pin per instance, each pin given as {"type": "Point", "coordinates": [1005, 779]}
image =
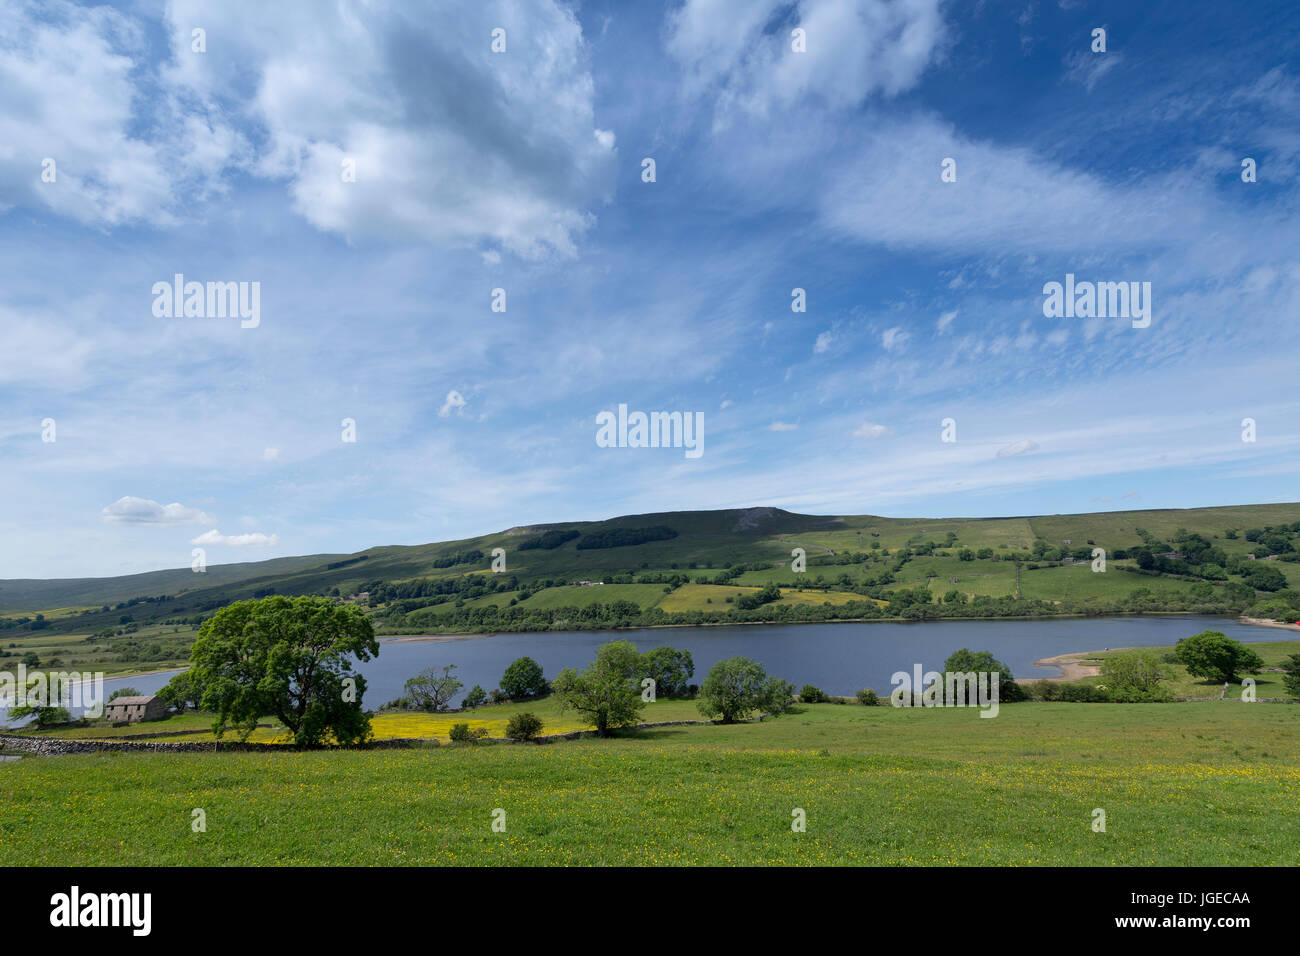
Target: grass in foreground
{"type": "Point", "coordinates": [1189, 784]}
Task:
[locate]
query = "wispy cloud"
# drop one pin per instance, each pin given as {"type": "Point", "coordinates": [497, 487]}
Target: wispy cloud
{"type": "Point", "coordinates": [251, 540]}
{"type": "Point", "coordinates": [143, 511]}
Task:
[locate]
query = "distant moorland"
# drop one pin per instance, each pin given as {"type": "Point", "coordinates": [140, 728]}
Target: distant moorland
{"type": "Point", "coordinates": [701, 567]}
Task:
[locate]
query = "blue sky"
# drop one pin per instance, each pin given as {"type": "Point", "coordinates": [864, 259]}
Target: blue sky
{"type": "Point", "coordinates": [522, 170]}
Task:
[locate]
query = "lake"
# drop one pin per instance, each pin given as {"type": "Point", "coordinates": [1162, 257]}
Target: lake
{"type": "Point", "coordinates": [838, 658]}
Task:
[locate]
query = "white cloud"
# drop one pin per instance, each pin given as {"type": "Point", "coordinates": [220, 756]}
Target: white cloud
{"type": "Point", "coordinates": [271, 454]}
{"type": "Point", "coordinates": [1023, 447]}
{"type": "Point", "coordinates": [855, 48]}
{"type": "Point", "coordinates": [1005, 198]}
{"type": "Point", "coordinates": [945, 321]}
{"type": "Point", "coordinates": [823, 343]}
{"type": "Point", "coordinates": [140, 511]}
{"type": "Point", "coordinates": [894, 338]}
{"type": "Point", "coordinates": [253, 540]}
{"type": "Point", "coordinates": [1087, 68]}
{"type": "Point", "coordinates": [70, 67]}
{"type": "Point", "coordinates": [454, 401]}
{"type": "Point", "coordinates": [781, 427]}
{"type": "Point", "coordinates": [452, 143]}
{"type": "Point", "coordinates": [869, 431]}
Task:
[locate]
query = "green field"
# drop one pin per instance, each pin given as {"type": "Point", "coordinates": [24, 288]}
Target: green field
{"type": "Point", "coordinates": [1268, 683]}
{"type": "Point", "coordinates": [1181, 784]}
{"type": "Point", "coordinates": [715, 597]}
{"type": "Point", "coordinates": [151, 647]}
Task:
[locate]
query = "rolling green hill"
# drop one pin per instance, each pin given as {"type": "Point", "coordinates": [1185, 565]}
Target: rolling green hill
{"type": "Point", "coordinates": [857, 565]}
{"type": "Point", "coordinates": [33, 594]}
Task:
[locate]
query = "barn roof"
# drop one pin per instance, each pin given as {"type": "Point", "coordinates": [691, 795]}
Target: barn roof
{"type": "Point", "coordinates": [132, 700]}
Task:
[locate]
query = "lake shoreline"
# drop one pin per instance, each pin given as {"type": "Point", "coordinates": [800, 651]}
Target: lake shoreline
{"type": "Point", "coordinates": [456, 635]}
{"type": "Point", "coordinates": [1047, 662]}
{"type": "Point", "coordinates": [1071, 668]}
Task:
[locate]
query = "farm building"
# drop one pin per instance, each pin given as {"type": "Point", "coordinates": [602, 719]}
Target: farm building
{"type": "Point", "coordinates": [134, 709]}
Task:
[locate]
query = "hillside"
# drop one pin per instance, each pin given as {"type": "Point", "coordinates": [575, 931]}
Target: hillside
{"type": "Point", "coordinates": [705, 566]}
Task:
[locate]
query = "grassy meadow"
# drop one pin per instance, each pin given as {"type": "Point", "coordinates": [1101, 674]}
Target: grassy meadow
{"type": "Point", "coordinates": [1184, 784]}
{"type": "Point", "coordinates": [1268, 683]}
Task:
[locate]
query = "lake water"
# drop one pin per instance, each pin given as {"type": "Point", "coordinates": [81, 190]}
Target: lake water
{"type": "Point", "coordinates": [838, 658]}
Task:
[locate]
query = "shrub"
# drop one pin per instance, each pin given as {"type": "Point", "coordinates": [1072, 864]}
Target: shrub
{"type": "Point", "coordinates": [1083, 694]}
{"type": "Point", "coordinates": [462, 733]}
{"type": "Point", "coordinates": [867, 697]}
{"type": "Point", "coordinates": [1044, 690]}
{"type": "Point", "coordinates": [124, 692]}
{"type": "Point", "coordinates": [42, 716]}
{"type": "Point", "coordinates": [524, 726]}
{"type": "Point", "coordinates": [777, 696]}
{"type": "Point", "coordinates": [476, 697]}
{"type": "Point", "coordinates": [1137, 672]}
{"type": "Point", "coordinates": [809, 694]}
{"type": "Point", "coordinates": [1291, 675]}
{"type": "Point", "coordinates": [1133, 695]}
{"type": "Point", "coordinates": [1284, 611]}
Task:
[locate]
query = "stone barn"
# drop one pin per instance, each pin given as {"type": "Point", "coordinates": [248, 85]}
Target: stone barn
{"type": "Point", "coordinates": [134, 709]}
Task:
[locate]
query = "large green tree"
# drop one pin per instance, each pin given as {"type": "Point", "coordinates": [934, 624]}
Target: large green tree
{"type": "Point", "coordinates": [608, 692]}
{"type": "Point", "coordinates": [182, 692]}
{"type": "Point", "coordinates": [670, 669]}
{"type": "Point", "coordinates": [287, 657]}
{"type": "Point", "coordinates": [1217, 657]}
{"type": "Point", "coordinates": [430, 690]}
{"type": "Point", "coordinates": [983, 662]}
{"type": "Point", "coordinates": [523, 679]}
{"type": "Point", "coordinates": [736, 687]}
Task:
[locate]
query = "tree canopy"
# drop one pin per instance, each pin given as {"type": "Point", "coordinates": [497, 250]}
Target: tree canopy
{"type": "Point", "coordinates": [1137, 671]}
{"type": "Point", "coordinates": [523, 679]}
{"type": "Point", "coordinates": [608, 692]}
{"type": "Point", "coordinates": [983, 662]}
{"type": "Point", "coordinates": [287, 657]}
{"type": "Point", "coordinates": [736, 687]}
{"type": "Point", "coordinates": [430, 690]}
{"type": "Point", "coordinates": [1215, 656]}
{"type": "Point", "coordinates": [669, 668]}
